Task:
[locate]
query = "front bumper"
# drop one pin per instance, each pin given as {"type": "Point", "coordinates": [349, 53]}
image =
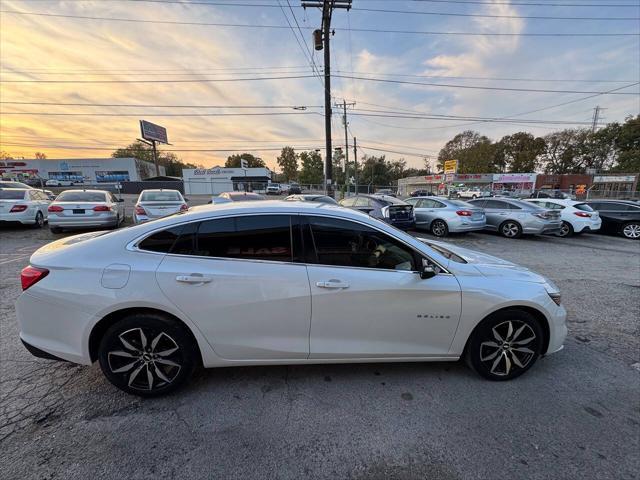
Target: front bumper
{"type": "Point", "coordinates": [557, 329]}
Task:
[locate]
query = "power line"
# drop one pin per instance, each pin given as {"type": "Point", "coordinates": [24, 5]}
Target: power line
{"type": "Point", "coordinates": [78, 104]}
{"type": "Point", "coordinates": [459, 2]}
{"type": "Point", "coordinates": [188, 80]}
{"type": "Point", "coordinates": [110, 148]}
{"type": "Point", "coordinates": [146, 114]}
{"type": "Point", "coordinates": [394, 11]}
{"type": "Point", "coordinates": [367, 30]}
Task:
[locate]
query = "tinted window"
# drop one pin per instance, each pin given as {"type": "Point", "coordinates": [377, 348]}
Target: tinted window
{"type": "Point", "coordinates": [264, 237]}
{"type": "Point", "coordinates": [81, 197]}
{"type": "Point", "coordinates": [161, 241]}
{"type": "Point", "coordinates": [495, 204]}
{"type": "Point", "coordinates": [324, 199]}
{"type": "Point", "coordinates": [583, 206]}
{"type": "Point", "coordinates": [11, 194]}
{"type": "Point", "coordinates": [164, 196]}
{"type": "Point", "coordinates": [349, 244]}
{"type": "Point", "coordinates": [426, 203]}
{"type": "Point", "coordinates": [437, 204]}
{"type": "Point", "coordinates": [620, 207]}
{"type": "Point", "coordinates": [478, 203]}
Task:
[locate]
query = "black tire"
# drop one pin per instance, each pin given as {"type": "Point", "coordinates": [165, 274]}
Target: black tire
{"type": "Point", "coordinates": [510, 229]}
{"type": "Point", "coordinates": [492, 353]}
{"type": "Point", "coordinates": [117, 224]}
{"type": "Point", "coordinates": [631, 230]}
{"type": "Point", "coordinates": [39, 220]}
{"type": "Point", "coordinates": [473, 197]}
{"type": "Point", "coordinates": [55, 229]}
{"type": "Point", "coordinates": [439, 228]}
{"type": "Point", "coordinates": [566, 230]}
{"type": "Point", "coordinates": [130, 363]}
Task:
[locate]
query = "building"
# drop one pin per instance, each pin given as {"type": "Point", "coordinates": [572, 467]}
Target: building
{"type": "Point", "coordinates": [217, 180]}
{"type": "Point", "coordinates": [566, 182]}
{"type": "Point", "coordinates": [617, 185]}
{"type": "Point", "coordinates": [438, 183]}
{"type": "Point", "coordinates": [80, 170]}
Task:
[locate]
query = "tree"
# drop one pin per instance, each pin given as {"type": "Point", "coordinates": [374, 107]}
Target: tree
{"type": "Point", "coordinates": [375, 171]}
{"type": "Point", "coordinates": [40, 156]}
{"type": "Point", "coordinates": [565, 151]}
{"type": "Point", "coordinates": [288, 162]}
{"type": "Point", "coordinates": [141, 151]}
{"type": "Point", "coordinates": [475, 153]}
{"type": "Point", "coordinates": [519, 152]}
{"type": "Point", "coordinates": [628, 146]}
{"type": "Point", "coordinates": [233, 161]}
{"type": "Point", "coordinates": [5, 155]}
{"type": "Point", "coordinates": [312, 171]}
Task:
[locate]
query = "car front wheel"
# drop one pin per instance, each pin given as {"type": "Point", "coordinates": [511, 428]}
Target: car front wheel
{"type": "Point", "coordinates": [147, 354]}
{"type": "Point", "coordinates": [631, 230]}
{"type": "Point", "coordinates": [505, 345]}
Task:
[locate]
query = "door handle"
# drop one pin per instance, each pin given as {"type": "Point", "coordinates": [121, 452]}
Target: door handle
{"type": "Point", "coordinates": [193, 278]}
{"type": "Point", "coordinates": [332, 284]}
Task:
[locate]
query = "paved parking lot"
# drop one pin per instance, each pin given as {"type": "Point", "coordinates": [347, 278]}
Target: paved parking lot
{"type": "Point", "coordinates": [574, 415]}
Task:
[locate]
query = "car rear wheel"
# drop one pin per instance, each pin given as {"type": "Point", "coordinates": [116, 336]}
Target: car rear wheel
{"type": "Point", "coordinates": [439, 228]}
{"type": "Point", "coordinates": [566, 230]}
{"type": "Point", "coordinates": [39, 220]}
{"type": "Point", "coordinates": [631, 230]}
{"type": "Point", "coordinates": [510, 229]}
{"type": "Point", "coordinates": [505, 345]}
{"type": "Point", "coordinates": [147, 354]}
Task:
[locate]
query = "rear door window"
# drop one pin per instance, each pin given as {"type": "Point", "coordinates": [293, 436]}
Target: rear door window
{"type": "Point", "coordinates": [583, 206]}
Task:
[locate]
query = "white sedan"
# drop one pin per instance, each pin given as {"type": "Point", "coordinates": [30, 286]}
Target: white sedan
{"type": "Point", "coordinates": [25, 206]}
{"type": "Point", "coordinates": [158, 203]}
{"type": "Point", "coordinates": [267, 283]}
{"type": "Point", "coordinates": [577, 217]}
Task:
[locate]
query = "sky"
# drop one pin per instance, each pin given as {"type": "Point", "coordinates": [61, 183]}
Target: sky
{"type": "Point", "coordinates": [212, 72]}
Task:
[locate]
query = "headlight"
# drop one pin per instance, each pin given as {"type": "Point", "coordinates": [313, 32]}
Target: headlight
{"type": "Point", "coordinates": [555, 296]}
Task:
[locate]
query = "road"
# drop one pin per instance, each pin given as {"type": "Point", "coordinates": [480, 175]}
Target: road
{"type": "Point", "coordinates": [576, 414]}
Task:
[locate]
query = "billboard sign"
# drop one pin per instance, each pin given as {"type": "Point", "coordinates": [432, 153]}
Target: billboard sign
{"type": "Point", "coordinates": [450, 166]}
{"type": "Point", "coordinates": [152, 132]}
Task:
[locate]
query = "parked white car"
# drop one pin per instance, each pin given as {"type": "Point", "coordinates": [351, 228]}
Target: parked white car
{"type": "Point", "coordinates": [85, 209]}
{"type": "Point", "coordinates": [152, 204]}
{"type": "Point", "coordinates": [274, 189]}
{"type": "Point", "coordinates": [60, 183]}
{"type": "Point", "coordinates": [26, 206]}
{"type": "Point", "coordinates": [577, 217]}
{"type": "Point", "coordinates": [473, 193]}
{"type": "Point", "coordinates": [234, 284]}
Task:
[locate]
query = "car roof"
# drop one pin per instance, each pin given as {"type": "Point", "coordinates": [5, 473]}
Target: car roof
{"type": "Point", "coordinates": [630, 202]}
{"type": "Point", "coordinates": [13, 189]}
{"type": "Point", "coordinates": [159, 190]}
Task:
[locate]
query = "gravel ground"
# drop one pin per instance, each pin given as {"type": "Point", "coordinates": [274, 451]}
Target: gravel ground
{"type": "Point", "coordinates": [574, 415]}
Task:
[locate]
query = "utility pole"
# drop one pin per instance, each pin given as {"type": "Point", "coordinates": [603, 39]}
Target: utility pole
{"type": "Point", "coordinates": [325, 32]}
{"type": "Point", "coordinates": [596, 118]}
{"type": "Point", "coordinates": [344, 106]}
{"type": "Point", "coordinates": [355, 164]}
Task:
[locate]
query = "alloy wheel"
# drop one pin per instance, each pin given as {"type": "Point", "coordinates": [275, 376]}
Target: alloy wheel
{"type": "Point", "coordinates": [147, 361]}
{"type": "Point", "coordinates": [512, 347]}
{"type": "Point", "coordinates": [510, 230]}
{"type": "Point", "coordinates": [439, 228]}
{"type": "Point", "coordinates": [631, 230]}
{"type": "Point", "coordinates": [565, 229]}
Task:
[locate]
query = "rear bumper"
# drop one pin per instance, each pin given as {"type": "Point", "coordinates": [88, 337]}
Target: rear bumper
{"type": "Point", "coordinates": [77, 222]}
{"type": "Point", "coordinates": [402, 224]}
{"type": "Point", "coordinates": [542, 227]}
{"type": "Point", "coordinates": [36, 352]}
{"type": "Point", "coordinates": [28, 217]}
{"type": "Point", "coordinates": [587, 226]}
{"type": "Point", "coordinates": [460, 225]}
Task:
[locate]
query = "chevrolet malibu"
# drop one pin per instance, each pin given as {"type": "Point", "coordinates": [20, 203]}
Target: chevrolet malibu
{"type": "Point", "coordinates": [266, 283]}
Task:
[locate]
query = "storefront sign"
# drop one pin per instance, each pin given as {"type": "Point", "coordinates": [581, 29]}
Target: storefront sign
{"type": "Point", "coordinates": [514, 178]}
{"type": "Point", "coordinates": [213, 171]}
{"type": "Point", "coordinates": [614, 179]}
{"type": "Point", "coordinates": [450, 166]}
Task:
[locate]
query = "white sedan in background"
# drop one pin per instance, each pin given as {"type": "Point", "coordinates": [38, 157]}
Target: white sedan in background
{"type": "Point", "coordinates": [234, 284]}
{"type": "Point", "coordinates": [25, 206]}
{"type": "Point", "coordinates": [85, 209]}
{"type": "Point", "coordinates": [154, 204]}
{"type": "Point", "coordinates": [577, 217]}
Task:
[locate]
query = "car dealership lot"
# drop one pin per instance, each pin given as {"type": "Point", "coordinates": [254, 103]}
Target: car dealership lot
{"type": "Point", "coordinates": [576, 414]}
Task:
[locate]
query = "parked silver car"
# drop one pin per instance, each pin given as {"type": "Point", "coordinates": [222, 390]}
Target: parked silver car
{"type": "Point", "coordinates": [85, 209]}
{"type": "Point", "coordinates": [511, 218]}
{"type": "Point", "coordinates": [158, 203]}
{"type": "Point", "coordinates": [441, 215]}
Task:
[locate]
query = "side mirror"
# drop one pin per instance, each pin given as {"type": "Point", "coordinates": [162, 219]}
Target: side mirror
{"type": "Point", "coordinates": [427, 272]}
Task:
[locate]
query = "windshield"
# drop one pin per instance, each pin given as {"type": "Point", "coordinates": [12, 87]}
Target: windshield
{"type": "Point", "coordinates": [81, 197]}
{"type": "Point", "coordinates": [246, 198]}
{"type": "Point", "coordinates": [386, 200]}
{"type": "Point", "coordinates": [324, 199]}
{"type": "Point", "coordinates": [11, 194]}
{"type": "Point", "coordinates": [161, 197]}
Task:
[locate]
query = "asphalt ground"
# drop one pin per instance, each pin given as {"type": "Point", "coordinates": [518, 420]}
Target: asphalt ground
{"type": "Point", "coordinates": [576, 414]}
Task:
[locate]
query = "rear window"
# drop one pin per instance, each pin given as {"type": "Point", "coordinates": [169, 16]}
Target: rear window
{"type": "Point", "coordinates": [584, 207]}
{"type": "Point", "coordinates": [12, 194]}
{"type": "Point", "coordinates": [390, 201]}
{"type": "Point", "coordinates": [249, 197]}
{"type": "Point", "coordinates": [161, 197]}
{"type": "Point", "coordinates": [81, 197]}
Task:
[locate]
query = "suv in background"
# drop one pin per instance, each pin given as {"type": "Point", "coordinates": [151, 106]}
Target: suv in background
{"type": "Point", "coordinates": [473, 192]}
{"type": "Point", "coordinates": [619, 216]}
{"type": "Point", "coordinates": [389, 209]}
{"type": "Point", "coordinates": [274, 189]}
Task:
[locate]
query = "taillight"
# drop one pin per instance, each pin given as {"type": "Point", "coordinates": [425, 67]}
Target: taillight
{"type": "Point", "coordinates": [55, 208]}
{"type": "Point", "coordinates": [18, 208]}
{"type": "Point", "coordinates": [31, 275]}
{"type": "Point", "coordinates": [582, 214]}
{"type": "Point", "coordinates": [464, 213]}
{"type": "Point", "coordinates": [101, 208]}
{"type": "Point", "coordinates": [140, 210]}
{"type": "Point", "coordinates": [184, 207]}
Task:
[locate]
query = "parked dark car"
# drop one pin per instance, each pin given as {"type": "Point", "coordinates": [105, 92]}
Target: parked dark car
{"type": "Point", "coordinates": [619, 216]}
{"type": "Point", "coordinates": [386, 191]}
{"type": "Point", "coordinates": [295, 189]}
{"type": "Point", "coordinates": [421, 193]}
{"type": "Point", "coordinates": [548, 193]}
{"type": "Point", "coordinates": [311, 198]}
{"type": "Point", "coordinates": [384, 207]}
